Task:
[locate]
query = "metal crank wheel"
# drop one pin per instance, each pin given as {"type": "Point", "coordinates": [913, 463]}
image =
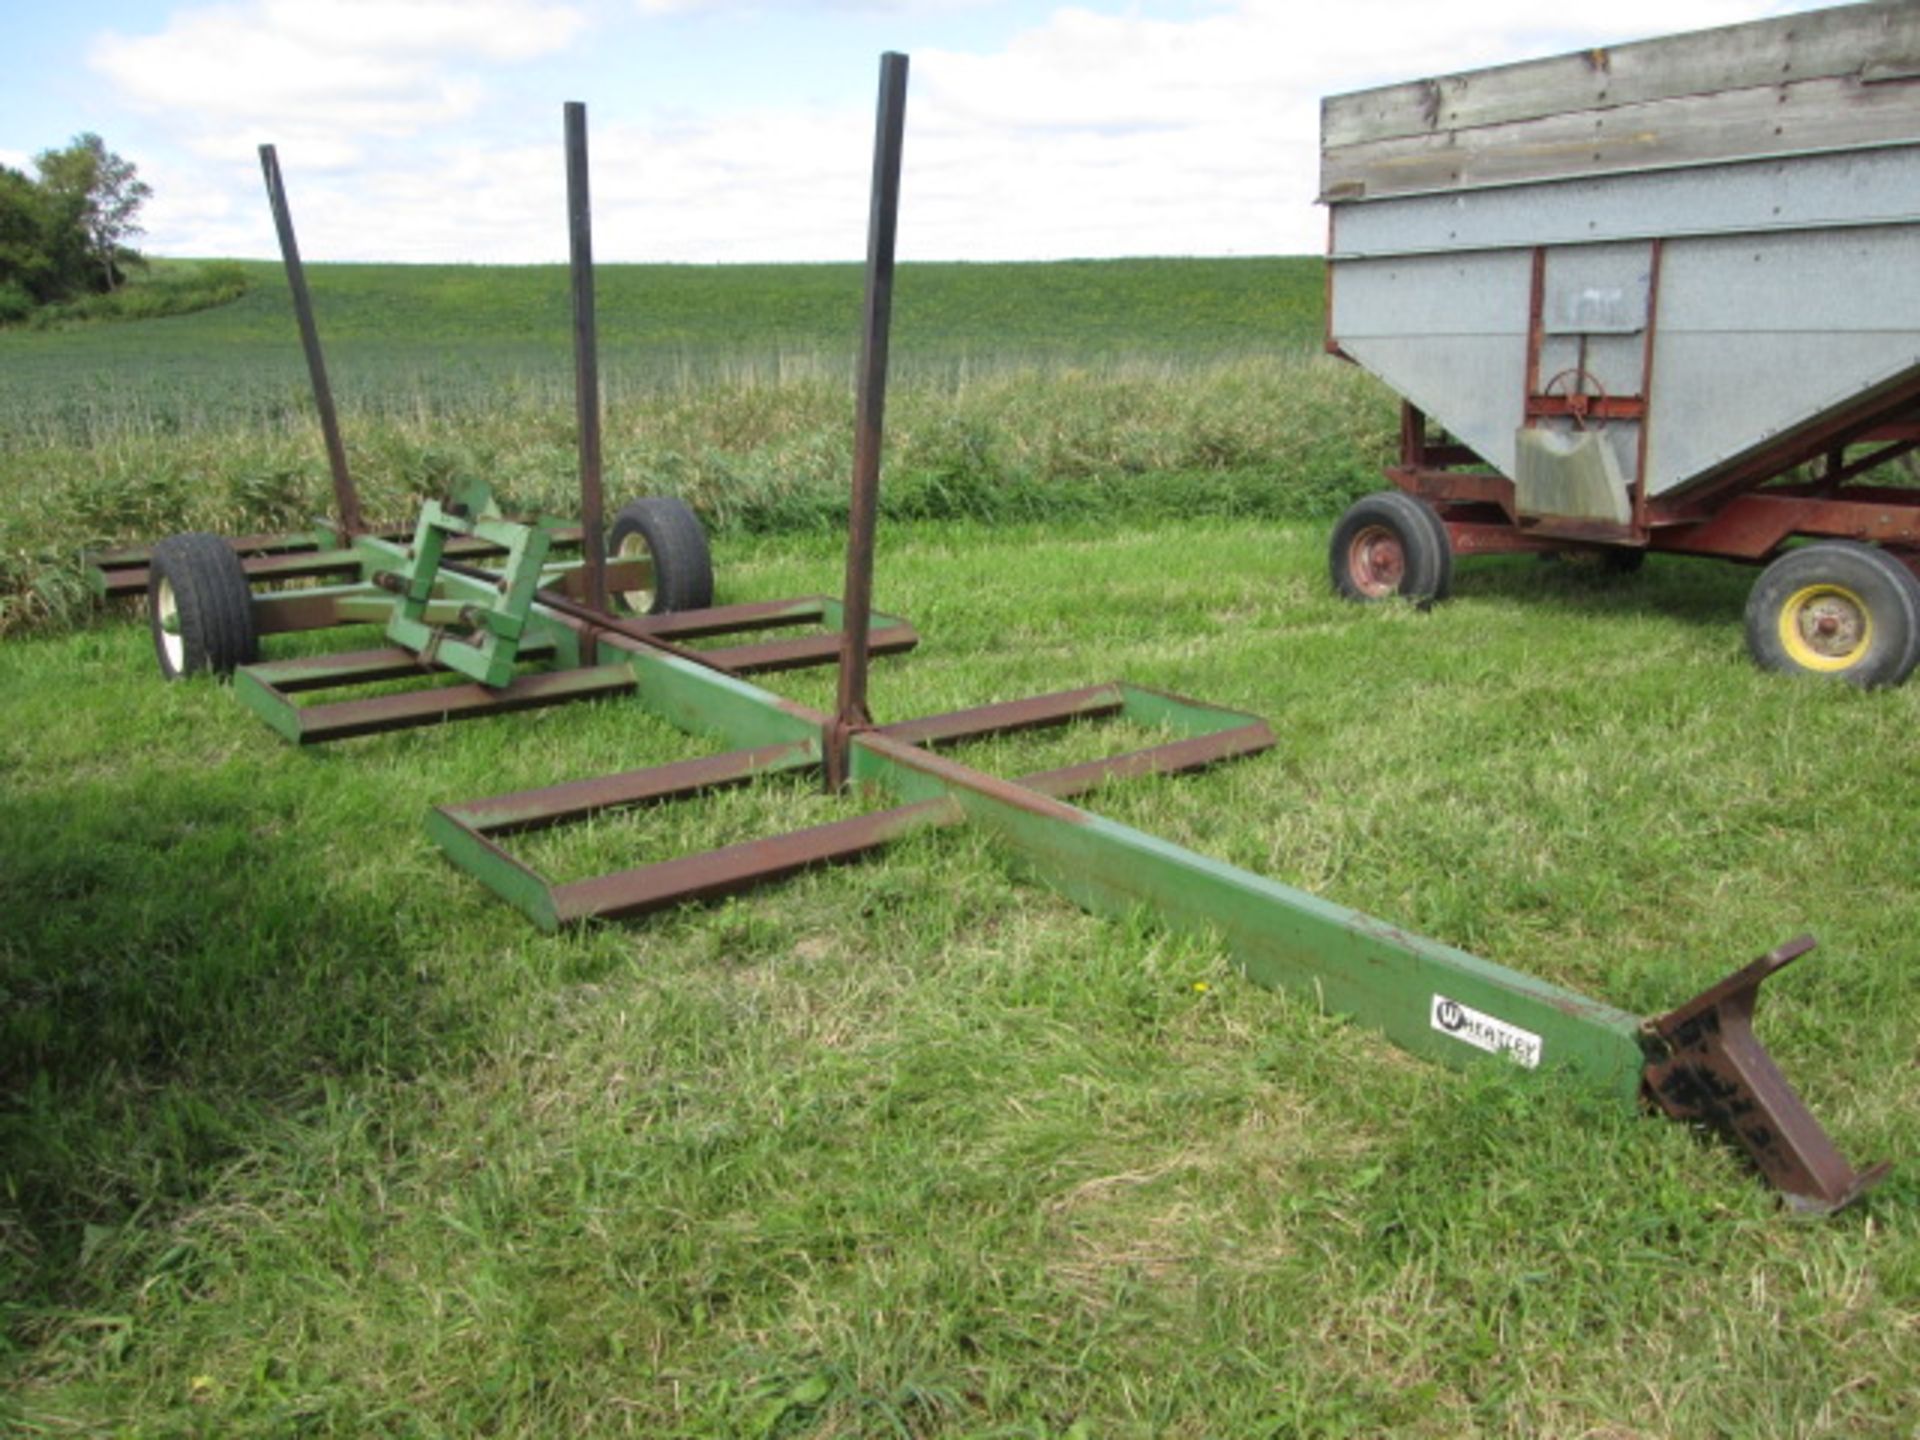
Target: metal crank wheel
{"type": "Point", "coordinates": [1389, 544]}
{"type": "Point", "coordinates": [1839, 610]}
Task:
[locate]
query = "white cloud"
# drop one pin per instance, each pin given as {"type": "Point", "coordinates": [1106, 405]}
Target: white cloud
{"type": "Point", "coordinates": [1090, 134]}
{"type": "Point", "coordinates": [332, 74]}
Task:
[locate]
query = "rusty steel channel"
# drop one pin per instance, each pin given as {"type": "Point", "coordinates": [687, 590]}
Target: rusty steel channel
{"type": "Point", "coordinates": [1711, 1068]}
{"type": "Point", "coordinates": [346, 497]}
{"type": "Point", "coordinates": [869, 421]}
{"type": "Point", "coordinates": [586, 362]}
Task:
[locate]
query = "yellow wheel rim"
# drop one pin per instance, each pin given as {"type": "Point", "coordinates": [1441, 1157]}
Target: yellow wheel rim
{"type": "Point", "coordinates": [1825, 627]}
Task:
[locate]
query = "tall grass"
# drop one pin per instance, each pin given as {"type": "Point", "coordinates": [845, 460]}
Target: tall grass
{"type": "Point", "coordinates": [763, 445]}
{"type": "Point", "coordinates": [1118, 389]}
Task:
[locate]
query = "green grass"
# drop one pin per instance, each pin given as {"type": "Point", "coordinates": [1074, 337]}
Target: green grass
{"type": "Point", "coordinates": [449, 339]}
{"type": "Point", "coordinates": [157, 289]}
{"type": "Point", "coordinates": [303, 1133]}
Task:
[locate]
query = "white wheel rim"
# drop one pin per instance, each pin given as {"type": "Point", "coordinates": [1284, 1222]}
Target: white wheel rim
{"type": "Point", "coordinates": [634, 547]}
{"type": "Point", "coordinates": [172, 645]}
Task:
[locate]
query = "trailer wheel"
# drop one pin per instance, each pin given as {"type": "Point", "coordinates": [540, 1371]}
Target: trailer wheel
{"type": "Point", "coordinates": [200, 607]}
{"type": "Point", "coordinates": [1837, 609]}
{"type": "Point", "coordinates": [1391, 543]}
{"type": "Point", "coordinates": [662, 531]}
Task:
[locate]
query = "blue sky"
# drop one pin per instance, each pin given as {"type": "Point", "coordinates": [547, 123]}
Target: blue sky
{"type": "Point", "coordinates": [730, 130]}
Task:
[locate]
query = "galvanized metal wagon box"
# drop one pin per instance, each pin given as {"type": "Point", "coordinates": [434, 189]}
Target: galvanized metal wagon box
{"type": "Point", "coordinates": [1664, 296]}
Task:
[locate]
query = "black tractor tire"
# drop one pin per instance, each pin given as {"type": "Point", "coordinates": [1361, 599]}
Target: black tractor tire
{"type": "Point", "coordinates": [1391, 543]}
{"type": "Point", "coordinates": [664, 530]}
{"type": "Point", "coordinates": [200, 607]}
{"type": "Point", "coordinates": [1838, 610]}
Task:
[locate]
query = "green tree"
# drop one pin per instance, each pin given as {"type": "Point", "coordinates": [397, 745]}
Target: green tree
{"type": "Point", "coordinates": [25, 266]}
{"type": "Point", "coordinates": [95, 198]}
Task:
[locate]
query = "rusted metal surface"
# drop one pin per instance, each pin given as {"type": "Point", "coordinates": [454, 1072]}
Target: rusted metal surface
{"type": "Point", "coordinates": [586, 363]}
{"type": "Point", "coordinates": [124, 572]}
{"type": "Point", "coordinates": [288, 611]}
{"type": "Point", "coordinates": [1455, 487]}
{"type": "Point", "coordinates": [1753, 526]}
{"type": "Point", "coordinates": [869, 421]}
{"type": "Point", "coordinates": [1536, 322]}
{"type": "Point", "coordinates": [347, 719]}
{"type": "Point", "coordinates": [1009, 716]}
{"type": "Point", "coordinates": [1709, 1067]}
{"type": "Point", "coordinates": [800, 652]}
{"type": "Point", "coordinates": [738, 868]}
{"type": "Point", "coordinates": [1479, 537]}
{"type": "Point", "coordinates": [1582, 407]}
{"type": "Point", "coordinates": [346, 498]}
{"type": "Point", "coordinates": [1840, 470]}
{"type": "Point", "coordinates": [728, 619]}
{"type": "Point", "coordinates": [735, 869]}
{"type": "Point", "coordinates": [552, 805]}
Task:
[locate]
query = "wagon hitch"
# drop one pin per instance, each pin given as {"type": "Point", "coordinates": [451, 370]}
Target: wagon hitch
{"type": "Point", "coordinates": [1706, 1064]}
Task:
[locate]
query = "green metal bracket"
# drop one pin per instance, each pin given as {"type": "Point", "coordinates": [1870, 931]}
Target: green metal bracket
{"type": "Point", "coordinates": [488, 642]}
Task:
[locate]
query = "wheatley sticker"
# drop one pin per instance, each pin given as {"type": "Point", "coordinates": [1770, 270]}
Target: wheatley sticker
{"type": "Point", "coordinates": [1483, 1032]}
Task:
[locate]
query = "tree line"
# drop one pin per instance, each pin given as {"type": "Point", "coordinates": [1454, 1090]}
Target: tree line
{"type": "Point", "coordinates": [64, 232]}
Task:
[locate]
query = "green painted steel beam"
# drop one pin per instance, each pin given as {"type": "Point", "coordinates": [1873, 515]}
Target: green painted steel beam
{"type": "Point", "coordinates": [493, 867]}
{"type": "Point", "coordinates": [692, 697]}
{"type": "Point", "coordinates": [1430, 998]}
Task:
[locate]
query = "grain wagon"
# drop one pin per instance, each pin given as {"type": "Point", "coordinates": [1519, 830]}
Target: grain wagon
{"type": "Point", "coordinates": [1658, 297]}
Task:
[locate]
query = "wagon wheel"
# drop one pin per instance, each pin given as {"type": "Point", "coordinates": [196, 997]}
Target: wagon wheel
{"type": "Point", "coordinates": [663, 535]}
{"type": "Point", "coordinates": [1391, 543]}
{"type": "Point", "coordinates": [200, 607]}
{"type": "Point", "coordinates": [1836, 609]}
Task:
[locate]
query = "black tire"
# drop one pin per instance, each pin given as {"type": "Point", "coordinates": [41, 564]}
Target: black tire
{"type": "Point", "coordinates": [1838, 610]}
{"type": "Point", "coordinates": [663, 529]}
{"type": "Point", "coordinates": [1391, 543]}
{"type": "Point", "coordinates": [200, 607]}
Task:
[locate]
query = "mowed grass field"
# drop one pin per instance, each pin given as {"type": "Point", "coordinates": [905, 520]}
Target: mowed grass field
{"type": "Point", "coordinates": [303, 1133]}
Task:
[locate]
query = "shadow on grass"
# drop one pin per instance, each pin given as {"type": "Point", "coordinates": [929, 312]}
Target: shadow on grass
{"type": "Point", "coordinates": [178, 983]}
{"type": "Point", "coordinates": [1688, 589]}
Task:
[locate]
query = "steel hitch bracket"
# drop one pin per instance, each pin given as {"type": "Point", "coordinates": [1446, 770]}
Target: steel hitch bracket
{"type": "Point", "coordinates": [484, 643]}
{"type": "Point", "coordinates": [1705, 1064]}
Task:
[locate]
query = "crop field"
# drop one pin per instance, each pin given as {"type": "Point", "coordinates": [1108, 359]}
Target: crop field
{"type": "Point", "coordinates": [303, 1133]}
{"type": "Point", "coordinates": [1019, 392]}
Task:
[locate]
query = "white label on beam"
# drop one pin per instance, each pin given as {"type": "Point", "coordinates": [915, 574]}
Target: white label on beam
{"type": "Point", "coordinates": [1484, 1032]}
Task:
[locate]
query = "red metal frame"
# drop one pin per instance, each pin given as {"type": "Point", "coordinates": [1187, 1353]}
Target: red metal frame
{"type": "Point", "coordinates": [1747, 512]}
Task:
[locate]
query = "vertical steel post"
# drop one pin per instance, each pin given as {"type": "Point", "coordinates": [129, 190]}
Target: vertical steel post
{"type": "Point", "coordinates": [869, 412]}
{"type": "Point", "coordinates": [586, 363]}
{"type": "Point", "coordinates": [346, 498]}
